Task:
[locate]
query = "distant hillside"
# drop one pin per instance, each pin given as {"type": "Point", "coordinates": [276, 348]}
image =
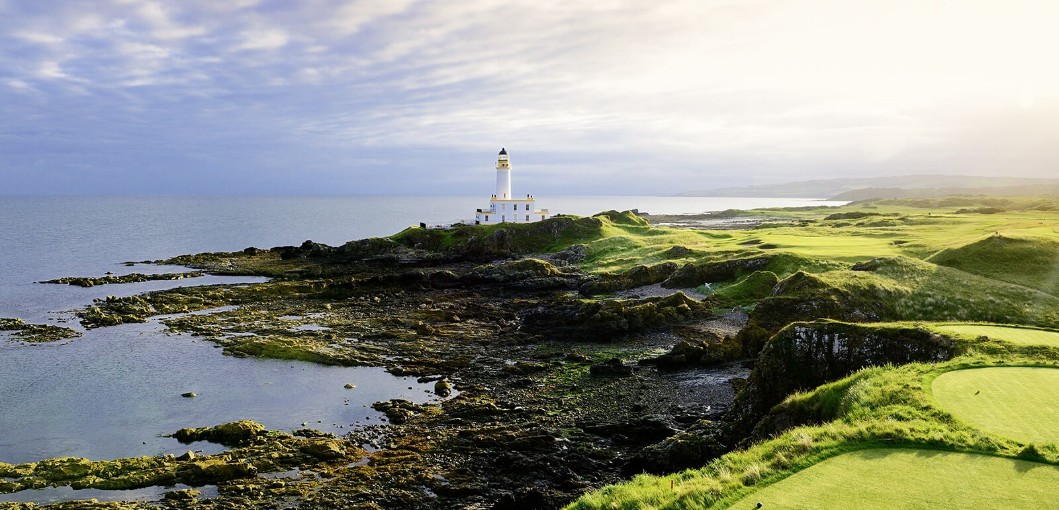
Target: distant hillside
{"type": "Point", "coordinates": [907, 186]}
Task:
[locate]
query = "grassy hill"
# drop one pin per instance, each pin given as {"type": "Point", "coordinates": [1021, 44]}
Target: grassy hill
{"type": "Point", "coordinates": [990, 266]}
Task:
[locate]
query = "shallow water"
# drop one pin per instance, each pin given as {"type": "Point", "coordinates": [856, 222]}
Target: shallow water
{"type": "Point", "coordinates": [58, 494]}
{"type": "Point", "coordinates": [113, 393]}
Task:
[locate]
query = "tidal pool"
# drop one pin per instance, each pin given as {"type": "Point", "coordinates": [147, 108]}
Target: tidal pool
{"type": "Point", "coordinates": [115, 391]}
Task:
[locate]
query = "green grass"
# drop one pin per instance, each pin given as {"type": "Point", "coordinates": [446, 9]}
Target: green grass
{"type": "Point", "coordinates": [1020, 403]}
{"type": "Point", "coordinates": [911, 479]}
{"type": "Point", "coordinates": [1020, 336]}
{"type": "Point", "coordinates": [928, 263]}
{"type": "Point", "coordinates": [755, 286]}
{"type": "Point", "coordinates": [1029, 261]}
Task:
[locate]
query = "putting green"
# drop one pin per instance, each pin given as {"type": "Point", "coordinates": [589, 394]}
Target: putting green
{"type": "Point", "coordinates": [911, 479]}
{"type": "Point", "coordinates": [1019, 336]}
{"type": "Point", "coordinates": [1020, 403]}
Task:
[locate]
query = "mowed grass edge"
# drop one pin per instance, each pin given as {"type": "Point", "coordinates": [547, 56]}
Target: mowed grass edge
{"type": "Point", "coordinates": [886, 479]}
{"type": "Point", "coordinates": [1020, 403]}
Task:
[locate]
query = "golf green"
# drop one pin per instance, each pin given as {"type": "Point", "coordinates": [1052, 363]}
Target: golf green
{"type": "Point", "coordinates": [911, 479]}
{"type": "Point", "coordinates": [1020, 403]}
{"type": "Point", "coordinates": [1021, 336]}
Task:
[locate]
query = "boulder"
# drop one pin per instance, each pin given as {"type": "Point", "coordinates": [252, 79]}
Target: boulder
{"type": "Point", "coordinates": [325, 449]}
{"type": "Point", "coordinates": [613, 367]}
{"type": "Point", "coordinates": [442, 388]}
{"type": "Point", "coordinates": [235, 433]}
{"type": "Point", "coordinates": [210, 471]}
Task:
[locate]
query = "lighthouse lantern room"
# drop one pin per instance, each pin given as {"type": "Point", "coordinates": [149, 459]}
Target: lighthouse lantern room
{"type": "Point", "coordinates": [503, 207]}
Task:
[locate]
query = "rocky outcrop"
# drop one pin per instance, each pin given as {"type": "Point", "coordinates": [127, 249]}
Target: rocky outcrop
{"type": "Point", "coordinates": [229, 434]}
{"type": "Point", "coordinates": [637, 276]}
{"type": "Point", "coordinates": [84, 281]}
{"type": "Point", "coordinates": [521, 274]}
{"type": "Point", "coordinates": [613, 367]}
{"type": "Point", "coordinates": [470, 242]}
{"type": "Point", "coordinates": [804, 296]}
{"type": "Point", "coordinates": [37, 333]}
{"type": "Point", "coordinates": [695, 274]}
{"type": "Point", "coordinates": [606, 320]}
{"type": "Point", "coordinates": [805, 355]}
{"type": "Point", "coordinates": [800, 357]}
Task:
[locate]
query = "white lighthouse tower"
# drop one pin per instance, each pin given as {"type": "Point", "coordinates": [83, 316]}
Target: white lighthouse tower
{"type": "Point", "coordinates": [503, 176]}
{"type": "Point", "coordinates": [503, 207]}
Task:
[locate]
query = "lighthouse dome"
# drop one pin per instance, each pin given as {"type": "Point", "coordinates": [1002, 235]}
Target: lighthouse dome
{"type": "Point", "coordinates": [503, 151]}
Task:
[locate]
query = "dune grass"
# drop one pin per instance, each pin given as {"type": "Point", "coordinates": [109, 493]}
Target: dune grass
{"type": "Point", "coordinates": [1015, 335]}
{"type": "Point", "coordinates": [935, 260]}
{"type": "Point", "coordinates": [1025, 246]}
{"type": "Point", "coordinates": [894, 479]}
{"type": "Point", "coordinates": [1029, 261]}
{"type": "Point", "coordinates": [1020, 403]}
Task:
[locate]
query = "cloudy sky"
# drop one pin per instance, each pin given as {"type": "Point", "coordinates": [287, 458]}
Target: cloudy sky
{"type": "Point", "coordinates": [589, 97]}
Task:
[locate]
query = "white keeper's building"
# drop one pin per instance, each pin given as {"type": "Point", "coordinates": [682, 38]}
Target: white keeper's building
{"type": "Point", "coordinates": [504, 208]}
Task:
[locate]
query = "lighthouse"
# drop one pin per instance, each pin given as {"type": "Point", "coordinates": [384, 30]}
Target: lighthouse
{"type": "Point", "coordinates": [503, 206]}
{"type": "Point", "coordinates": [503, 176]}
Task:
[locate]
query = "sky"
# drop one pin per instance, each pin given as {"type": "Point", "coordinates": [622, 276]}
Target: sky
{"type": "Point", "coordinates": [589, 97]}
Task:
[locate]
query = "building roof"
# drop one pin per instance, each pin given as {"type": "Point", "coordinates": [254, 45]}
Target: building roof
{"type": "Point", "coordinates": [503, 151]}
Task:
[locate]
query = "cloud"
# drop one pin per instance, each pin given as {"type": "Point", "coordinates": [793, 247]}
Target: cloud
{"type": "Point", "coordinates": [681, 90]}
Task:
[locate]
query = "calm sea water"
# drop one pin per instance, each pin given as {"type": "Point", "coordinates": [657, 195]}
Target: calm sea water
{"type": "Point", "coordinates": [112, 392]}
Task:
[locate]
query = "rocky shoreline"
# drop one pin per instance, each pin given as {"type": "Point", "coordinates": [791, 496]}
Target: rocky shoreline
{"type": "Point", "coordinates": [558, 377]}
{"type": "Point", "coordinates": [553, 388]}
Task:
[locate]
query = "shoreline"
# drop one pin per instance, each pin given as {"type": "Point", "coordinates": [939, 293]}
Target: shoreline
{"type": "Point", "coordinates": [574, 366]}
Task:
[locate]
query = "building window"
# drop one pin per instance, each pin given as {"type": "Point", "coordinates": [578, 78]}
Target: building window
{"type": "Point", "coordinates": [487, 218]}
{"type": "Point", "coordinates": [527, 217]}
{"type": "Point", "coordinates": [503, 218]}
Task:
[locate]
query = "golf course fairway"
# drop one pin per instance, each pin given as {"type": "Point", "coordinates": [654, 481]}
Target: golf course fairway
{"type": "Point", "coordinates": [911, 479]}
{"type": "Point", "coordinates": [1018, 336]}
{"type": "Point", "coordinates": [1020, 403]}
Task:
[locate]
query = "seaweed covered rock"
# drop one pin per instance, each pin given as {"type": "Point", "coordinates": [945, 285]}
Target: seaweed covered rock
{"type": "Point", "coordinates": [209, 471]}
{"type": "Point", "coordinates": [526, 273]}
{"type": "Point", "coordinates": [604, 320]}
{"type": "Point", "coordinates": [687, 449]}
{"type": "Point", "coordinates": [37, 333]}
{"type": "Point", "coordinates": [613, 367]}
{"type": "Point", "coordinates": [398, 410]}
{"type": "Point", "coordinates": [229, 434]}
{"type": "Point", "coordinates": [704, 349]}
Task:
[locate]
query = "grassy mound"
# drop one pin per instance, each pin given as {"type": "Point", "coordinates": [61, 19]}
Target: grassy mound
{"type": "Point", "coordinates": [1030, 261]}
{"type": "Point", "coordinates": [756, 285]}
{"type": "Point", "coordinates": [917, 290]}
{"type": "Point", "coordinates": [900, 479]}
{"type": "Point", "coordinates": [1020, 336]}
{"type": "Point", "coordinates": [549, 235]}
{"type": "Point", "coordinates": [1021, 403]}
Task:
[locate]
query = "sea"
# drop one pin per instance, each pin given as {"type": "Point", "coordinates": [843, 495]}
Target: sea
{"type": "Point", "coordinates": [116, 391]}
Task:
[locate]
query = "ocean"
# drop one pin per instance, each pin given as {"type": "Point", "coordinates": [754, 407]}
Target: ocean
{"type": "Point", "coordinates": [114, 391]}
